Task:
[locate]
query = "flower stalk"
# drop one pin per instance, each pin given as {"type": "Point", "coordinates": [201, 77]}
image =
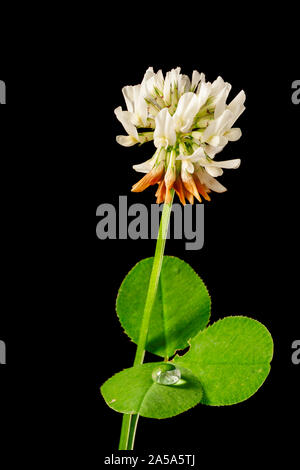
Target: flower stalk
{"type": "Point", "coordinates": [189, 122]}
{"type": "Point", "coordinates": [129, 422]}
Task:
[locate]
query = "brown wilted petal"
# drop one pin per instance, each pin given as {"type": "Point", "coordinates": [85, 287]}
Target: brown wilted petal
{"type": "Point", "coordinates": [154, 176]}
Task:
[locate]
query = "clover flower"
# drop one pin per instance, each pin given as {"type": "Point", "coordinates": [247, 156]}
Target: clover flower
{"type": "Point", "coordinates": [190, 123]}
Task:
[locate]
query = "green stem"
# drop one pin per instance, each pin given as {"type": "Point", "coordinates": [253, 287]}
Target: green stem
{"type": "Point", "coordinates": [124, 437]}
{"type": "Point", "coordinates": [132, 431]}
{"type": "Point", "coordinates": [128, 430]}
{"type": "Point", "coordinates": [153, 283]}
{"type": "Point", "coordinates": [129, 422]}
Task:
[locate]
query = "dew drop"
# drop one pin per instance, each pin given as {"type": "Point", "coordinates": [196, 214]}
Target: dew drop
{"type": "Point", "coordinates": [166, 374]}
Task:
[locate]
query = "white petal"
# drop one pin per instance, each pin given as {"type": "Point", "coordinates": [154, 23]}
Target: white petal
{"type": "Point", "coordinates": [232, 164]}
{"type": "Point", "coordinates": [203, 93]}
{"type": "Point", "coordinates": [145, 167]}
{"type": "Point", "coordinates": [218, 141]}
{"type": "Point", "coordinates": [125, 119]}
{"type": "Point", "coordinates": [170, 175]}
{"type": "Point", "coordinates": [170, 80]}
{"type": "Point", "coordinates": [135, 100]}
{"type": "Point", "coordinates": [148, 74]}
{"type": "Point", "coordinates": [136, 91]}
{"type": "Point", "coordinates": [195, 157]}
{"type": "Point", "coordinates": [236, 107]}
{"type": "Point", "coordinates": [164, 134]}
{"type": "Point", "coordinates": [142, 108]}
{"type": "Point", "coordinates": [220, 102]}
{"type": "Point", "coordinates": [167, 89]}
{"type": "Point", "coordinates": [187, 167]}
{"type": "Point", "coordinates": [159, 81]}
{"type": "Point", "coordinates": [212, 167]}
{"type": "Point", "coordinates": [184, 85]}
{"type": "Point", "coordinates": [196, 78]}
{"type": "Point", "coordinates": [218, 125]}
{"type": "Point", "coordinates": [142, 167]}
{"type": "Point", "coordinates": [190, 167]}
{"type": "Point", "coordinates": [212, 151]}
{"type": "Point", "coordinates": [126, 140]}
{"type": "Point", "coordinates": [236, 116]}
{"type": "Point", "coordinates": [187, 108]}
{"type": "Point", "coordinates": [150, 84]}
{"type": "Point", "coordinates": [217, 86]}
{"type": "Point", "coordinates": [128, 96]}
{"type": "Point", "coordinates": [209, 131]}
{"type": "Point", "coordinates": [211, 182]}
{"type": "Point", "coordinates": [213, 171]}
{"type": "Point", "coordinates": [223, 120]}
{"type": "Point", "coordinates": [233, 134]}
{"type": "Point", "coordinates": [237, 103]}
{"type": "Point", "coordinates": [183, 157]}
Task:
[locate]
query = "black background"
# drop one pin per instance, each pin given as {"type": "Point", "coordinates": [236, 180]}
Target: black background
{"type": "Point", "coordinates": [60, 325]}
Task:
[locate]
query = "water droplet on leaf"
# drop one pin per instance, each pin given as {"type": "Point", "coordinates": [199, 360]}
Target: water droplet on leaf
{"type": "Point", "coordinates": [166, 374]}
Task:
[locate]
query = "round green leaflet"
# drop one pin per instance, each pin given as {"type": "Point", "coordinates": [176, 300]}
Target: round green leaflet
{"type": "Point", "coordinates": [181, 308]}
{"type": "Point", "coordinates": [133, 391]}
{"type": "Point", "coordinates": [231, 359]}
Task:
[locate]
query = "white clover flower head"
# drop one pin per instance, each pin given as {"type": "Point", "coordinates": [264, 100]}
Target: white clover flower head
{"type": "Point", "coordinates": [189, 122]}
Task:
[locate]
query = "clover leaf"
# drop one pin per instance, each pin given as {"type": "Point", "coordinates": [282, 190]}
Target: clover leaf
{"type": "Point", "coordinates": [181, 308]}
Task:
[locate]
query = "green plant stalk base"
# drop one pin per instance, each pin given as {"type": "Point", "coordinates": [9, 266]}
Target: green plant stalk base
{"type": "Point", "coordinates": [129, 422]}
